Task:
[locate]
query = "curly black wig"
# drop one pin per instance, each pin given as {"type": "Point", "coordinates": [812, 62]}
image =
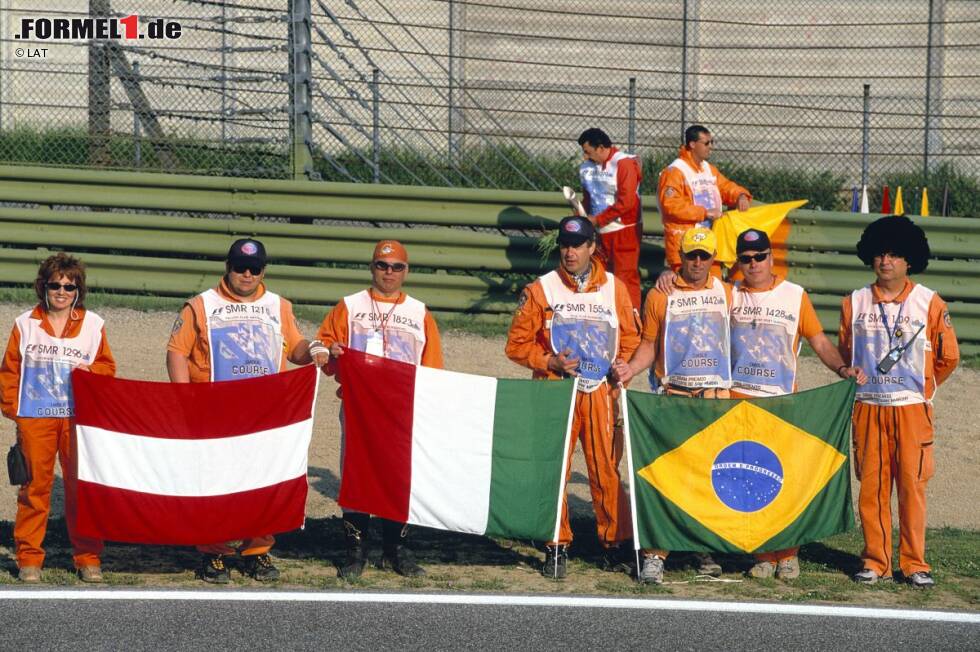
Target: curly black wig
{"type": "Point", "coordinates": [896, 235]}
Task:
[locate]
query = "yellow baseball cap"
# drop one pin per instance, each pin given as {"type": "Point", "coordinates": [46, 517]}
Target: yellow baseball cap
{"type": "Point", "coordinates": [699, 239]}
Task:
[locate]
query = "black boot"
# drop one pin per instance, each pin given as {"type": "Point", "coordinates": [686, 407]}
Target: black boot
{"type": "Point", "coordinates": [355, 536]}
{"type": "Point", "coordinates": [555, 564]}
{"type": "Point", "coordinates": [396, 555]}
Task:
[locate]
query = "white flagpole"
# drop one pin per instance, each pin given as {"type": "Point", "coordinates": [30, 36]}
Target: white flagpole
{"type": "Point", "coordinates": [564, 463]}
{"type": "Point", "coordinates": [624, 408]}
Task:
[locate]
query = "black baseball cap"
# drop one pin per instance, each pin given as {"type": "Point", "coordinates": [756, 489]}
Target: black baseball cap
{"type": "Point", "coordinates": [752, 240]}
{"type": "Point", "coordinates": [574, 230]}
{"type": "Point", "coordinates": [247, 252]}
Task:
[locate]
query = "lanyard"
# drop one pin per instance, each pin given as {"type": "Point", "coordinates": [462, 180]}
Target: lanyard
{"type": "Point", "coordinates": [897, 331]}
{"type": "Point", "coordinates": [383, 325]}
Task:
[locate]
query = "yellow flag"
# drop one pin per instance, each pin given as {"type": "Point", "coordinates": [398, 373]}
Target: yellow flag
{"type": "Point", "coordinates": [925, 202]}
{"type": "Point", "coordinates": [899, 206]}
{"type": "Point", "coordinates": [765, 218]}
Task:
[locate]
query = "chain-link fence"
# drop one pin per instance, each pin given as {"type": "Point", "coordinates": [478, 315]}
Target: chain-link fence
{"type": "Point", "coordinates": [213, 101]}
{"type": "Point", "coordinates": [493, 94]}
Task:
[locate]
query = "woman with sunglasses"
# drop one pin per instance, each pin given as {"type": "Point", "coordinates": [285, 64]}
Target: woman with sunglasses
{"type": "Point", "coordinates": [46, 344]}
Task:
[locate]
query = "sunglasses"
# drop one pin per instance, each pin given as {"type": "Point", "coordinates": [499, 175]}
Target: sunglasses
{"type": "Point", "coordinates": [382, 266]}
{"type": "Point", "coordinates": [67, 287]}
{"type": "Point", "coordinates": [255, 270]}
{"type": "Point", "coordinates": [708, 142]}
{"type": "Point", "coordinates": [745, 259]}
{"type": "Point", "coordinates": [698, 254]}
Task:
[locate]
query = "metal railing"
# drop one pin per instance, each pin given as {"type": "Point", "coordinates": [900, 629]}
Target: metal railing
{"type": "Point", "coordinates": [471, 250]}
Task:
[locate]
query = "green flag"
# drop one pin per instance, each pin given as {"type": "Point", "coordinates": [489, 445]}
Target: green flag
{"type": "Point", "coordinates": [739, 475]}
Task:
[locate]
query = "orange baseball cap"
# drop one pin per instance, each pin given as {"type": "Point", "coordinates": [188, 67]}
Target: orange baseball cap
{"type": "Point", "coordinates": [390, 249]}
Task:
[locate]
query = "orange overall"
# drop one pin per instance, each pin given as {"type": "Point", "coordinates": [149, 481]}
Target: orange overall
{"type": "Point", "coordinates": [894, 444]}
{"type": "Point", "coordinates": [679, 210]}
{"type": "Point", "coordinates": [622, 247]}
{"type": "Point", "coordinates": [654, 319]}
{"type": "Point", "coordinates": [809, 326]}
{"type": "Point", "coordinates": [190, 339]}
{"type": "Point", "coordinates": [529, 344]}
{"type": "Point", "coordinates": [42, 439]}
{"type": "Point", "coordinates": [335, 328]}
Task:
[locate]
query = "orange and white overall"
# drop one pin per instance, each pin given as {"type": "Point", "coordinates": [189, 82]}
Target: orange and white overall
{"type": "Point", "coordinates": [767, 324]}
{"type": "Point", "coordinates": [691, 332]}
{"type": "Point", "coordinates": [892, 423]}
{"type": "Point", "coordinates": [611, 195]}
{"type": "Point", "coordinates": [529, 344]}
{"type": "Point", "coordinates": [268, 330]}
{"type": "Point", "coordinates": [35, 392]}
{"type": "Point", "coordinates": [685, 193]}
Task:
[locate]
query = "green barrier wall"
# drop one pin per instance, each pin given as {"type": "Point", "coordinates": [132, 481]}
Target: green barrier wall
{"type": "Point", "coordinates": [471, 250]}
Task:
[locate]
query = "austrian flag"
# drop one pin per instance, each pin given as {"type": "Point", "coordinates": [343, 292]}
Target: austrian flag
{"type": "Point", "coordinates": [192, 463]}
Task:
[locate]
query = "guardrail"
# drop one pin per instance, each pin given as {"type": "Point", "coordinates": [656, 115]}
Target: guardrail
{"type": "Point", "coordinates": [166, 234]}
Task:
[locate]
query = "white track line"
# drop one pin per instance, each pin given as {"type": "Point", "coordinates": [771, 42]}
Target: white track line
{"type": "Point", "coordinates": [499, 600]}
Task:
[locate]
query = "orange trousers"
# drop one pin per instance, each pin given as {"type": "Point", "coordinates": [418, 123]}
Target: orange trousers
{"type": "Point", "coordinates": [592, 424]}
{"type": "Point", "coordinates": [775, 556]}
{"type": "Point", "coordinates": [708, 393]}
{"type": "Point", "coordinates": [622, 250]}
{"type": "Point", "coordinates": [893, 444]}
{"type": "Point", "coordinates": [254, 546]}
{"type": "Point", "coordinates": [42, 440]}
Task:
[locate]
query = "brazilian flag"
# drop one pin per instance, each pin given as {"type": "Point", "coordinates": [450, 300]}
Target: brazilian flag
{"type": "Point", "coordinates": [740, 475]}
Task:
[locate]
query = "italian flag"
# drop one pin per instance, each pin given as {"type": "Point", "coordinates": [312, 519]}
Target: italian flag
{"type": "Point", "coordinates": [454, 451]}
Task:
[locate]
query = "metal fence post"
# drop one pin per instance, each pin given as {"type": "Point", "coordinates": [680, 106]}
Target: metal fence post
{"type": "Point", "coordinates": [933, 136]}
{"type": "Point", "coordinates": [376, 125]}
{"type": "Point", "coordinates": [684, 75]}
{"type": "Point", "coordinates": [457, 13]}
{"type": "Point", "coordinates": [224, 74]}
{"type": "Point", "coordinates": [137, 136]}
{"type": "Point", "coordinates": [98, 92]}
{"type": "Point", "coordinates": [866, 136]}
{"type": "Point", "coordinates": [299, 90]}
{"type": "Point", "coordinates": [631, 121]}
{"type": "Point", "coordinates": [1, 75]}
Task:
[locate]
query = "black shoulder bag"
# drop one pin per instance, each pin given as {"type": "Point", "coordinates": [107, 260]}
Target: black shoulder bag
{"type": "Point", "coordinates": [17, 468]}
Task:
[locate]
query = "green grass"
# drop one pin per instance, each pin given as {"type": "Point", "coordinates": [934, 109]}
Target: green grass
{"type": "Point", "coordinates": [459, 562]}
{"type": "Point", "coordinates": [70, 147]}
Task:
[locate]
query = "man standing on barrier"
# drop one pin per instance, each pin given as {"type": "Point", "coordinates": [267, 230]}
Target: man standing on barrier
{"type": "Point", "coordinates": [235, 331]}
{"type": "Point", "coordinates": [575, 321]}
{"type": "Point", "coordinates": [686, 344]}
{"type": "Point", "coordinates": [769, 316]}
{"type": "Point", "coordinates": [692, 192]}
{"type": "Point", "coordinates": [611, 197]}
{"type": "Point", "coordinates": [899, 333]}
{"type": "Point", "coordinates": [384, 321]}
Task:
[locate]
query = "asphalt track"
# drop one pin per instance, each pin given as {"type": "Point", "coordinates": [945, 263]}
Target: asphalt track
{"type": "Point", "coordinates": [105, 619]}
